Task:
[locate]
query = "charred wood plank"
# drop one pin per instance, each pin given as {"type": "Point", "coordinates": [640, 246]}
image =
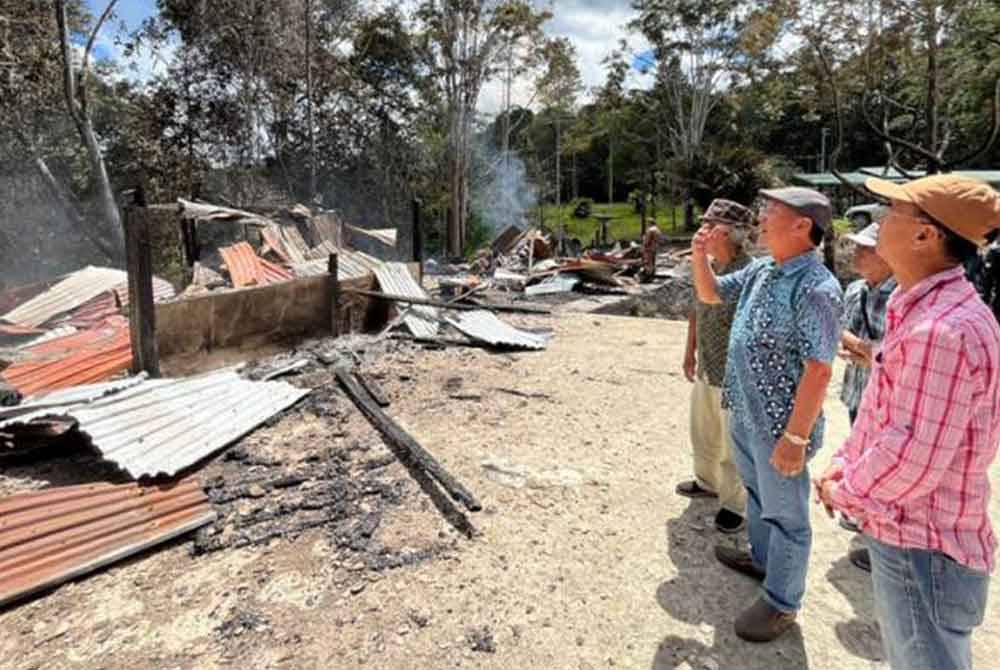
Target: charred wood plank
{"type": "Point", "coordinates": [373, 390]}
{"type": "Point", "coordinates": [396, 437]}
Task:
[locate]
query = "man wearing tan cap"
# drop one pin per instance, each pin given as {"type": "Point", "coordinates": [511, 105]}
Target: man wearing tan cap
{"type": "Point", "coordinates": [915, 469]}
{"type": "Point", "coordinates": [729, 225]}
{"type": "Point", "coordinates": [784, 338]}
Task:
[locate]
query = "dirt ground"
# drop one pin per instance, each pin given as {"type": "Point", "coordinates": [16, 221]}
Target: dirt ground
{"type": "Point", "coordinates": [584, 558]}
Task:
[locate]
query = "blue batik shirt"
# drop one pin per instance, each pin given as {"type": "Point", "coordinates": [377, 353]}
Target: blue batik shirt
{"type": "Point", "coordinates": [785, 315]}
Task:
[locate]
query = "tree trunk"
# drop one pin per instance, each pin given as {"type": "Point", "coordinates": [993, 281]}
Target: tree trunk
{"type": "Point", "coordinates": [558, 165]}
{"type": "Point", "coordinates": [111, 218]}
{"type": "Point", "coordinates": [313, 184]}
{"type": "Point", "coordinates": [933, 92]}
{"type": "Point", "coordinates": [611, 169]}
{"type": "Point", "coordinates": [70, 210]}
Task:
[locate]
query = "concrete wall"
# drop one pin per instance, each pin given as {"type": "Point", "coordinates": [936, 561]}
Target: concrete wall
{"type": "Point", "coordinates": [281, 312]}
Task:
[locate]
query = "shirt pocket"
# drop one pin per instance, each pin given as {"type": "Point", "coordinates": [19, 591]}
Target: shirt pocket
{"type": "Point", "coordinates": [959, 594]}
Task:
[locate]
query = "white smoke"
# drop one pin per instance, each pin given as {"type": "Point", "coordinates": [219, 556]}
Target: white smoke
{"type": "Point", "coordinates": [504, 195]}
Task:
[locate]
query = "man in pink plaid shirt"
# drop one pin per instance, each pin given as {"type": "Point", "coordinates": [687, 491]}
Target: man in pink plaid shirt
{"type": "Point", "coordinates": [915, 469]}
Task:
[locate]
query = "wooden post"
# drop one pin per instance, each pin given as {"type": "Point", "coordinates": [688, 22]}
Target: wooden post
{"type": "Point", "coordinates": [418, 240]}
{"type": "Point", "coordinates": [141, 311]}
{"type": "Point", "coordinates": [332, 268]}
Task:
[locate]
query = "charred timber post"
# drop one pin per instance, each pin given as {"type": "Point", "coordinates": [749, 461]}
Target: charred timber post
{"type": "Point", "coordinates": [448, 305]}
{"type": "Point", "coordinates": [418, 239]}
{"type": "Point", "coordinates": [139, 264]}
{"type": "Point", "coordinates": [403, 441]}
{"type": "Point", "coordinates": [333, 268]}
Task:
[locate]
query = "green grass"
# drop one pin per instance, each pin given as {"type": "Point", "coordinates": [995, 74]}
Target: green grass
{"type": "Point", "coordinates": [626, 224]}
{"type": "Point", "coordinates": [842, 226]}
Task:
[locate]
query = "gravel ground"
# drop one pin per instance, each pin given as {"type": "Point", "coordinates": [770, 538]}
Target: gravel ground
{"type": "Point", "coordinates": [583, 556]}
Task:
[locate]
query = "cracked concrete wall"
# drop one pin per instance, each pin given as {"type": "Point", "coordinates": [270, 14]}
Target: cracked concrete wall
{"type": "Point", "coordinates": [277, 313]}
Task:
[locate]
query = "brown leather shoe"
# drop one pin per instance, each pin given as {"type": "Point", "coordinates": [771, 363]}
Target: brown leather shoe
{"type": "Point", "coordinates": [763, 623]}
{"type": "Point", "coordinates": [740, 561]}
{"type": "Point", "coordinates": [692, 489]}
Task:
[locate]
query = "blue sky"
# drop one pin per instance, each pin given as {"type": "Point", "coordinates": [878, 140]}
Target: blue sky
{"type": "Point", "coordinates": [129, 12]}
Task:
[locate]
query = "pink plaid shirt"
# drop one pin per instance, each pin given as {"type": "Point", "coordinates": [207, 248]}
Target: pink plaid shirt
{"type": "Point", "coordinates": [916, 466]}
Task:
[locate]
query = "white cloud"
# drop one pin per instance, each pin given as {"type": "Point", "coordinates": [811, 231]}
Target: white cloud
{"type": "Point", "coordinates": [595, 28]}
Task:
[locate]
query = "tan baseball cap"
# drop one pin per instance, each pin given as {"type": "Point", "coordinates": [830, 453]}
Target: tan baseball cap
{"type": "Point", "coordinates": [966, 206]}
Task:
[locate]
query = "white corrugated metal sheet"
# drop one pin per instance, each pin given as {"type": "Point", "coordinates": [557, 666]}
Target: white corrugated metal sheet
{"type": "Point", "coordinates": [350, 264]}
{"type": "Point", "coordinates": [386, 236]}
{"type": "Point", "coordinates": [395, 278]}
{"type": "Point", "coordinates": [75, 290]}
{"type": "Point", "coordinates": [486, 327]}
{"type": "Point", "coordinates": [163, 426]}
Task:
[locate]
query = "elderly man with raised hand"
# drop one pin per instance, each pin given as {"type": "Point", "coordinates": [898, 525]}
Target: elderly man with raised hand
{"type": "Point", "coordinates": [730, 228]}
{"type": "Point", "coordinates": [784, 339]}
{"type": "Point", "coordinates": [915, 470]}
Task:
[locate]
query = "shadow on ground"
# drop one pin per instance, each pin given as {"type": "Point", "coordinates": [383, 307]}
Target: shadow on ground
{"type": "Point", "coordinates": [707, 595]}
{"type": "Point", "coordinates": [860, 636]}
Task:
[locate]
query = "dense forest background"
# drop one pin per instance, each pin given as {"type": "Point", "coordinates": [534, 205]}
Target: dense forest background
{"type": "Point", "coordinates": [362, 107]}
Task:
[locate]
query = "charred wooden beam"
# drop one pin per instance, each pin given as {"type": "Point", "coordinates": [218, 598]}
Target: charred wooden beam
{"type": "Point", "coordinates": [373, 390]}
{"type": "Point", "coordinates": [403, 442]}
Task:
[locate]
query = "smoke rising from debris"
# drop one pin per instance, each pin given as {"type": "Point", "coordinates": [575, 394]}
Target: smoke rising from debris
{"type": "Point", "coordinates": [504, 195]}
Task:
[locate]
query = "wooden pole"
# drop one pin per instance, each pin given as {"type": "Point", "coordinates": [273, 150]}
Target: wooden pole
{"type": "Point", "coordinates": [141, 310]}
{"type": "Point", "coordinates": [418, 240]}
{"type": "Point", "coordinates": [333, 269]}
{"type": "Point", "coordinates": [403, 443]}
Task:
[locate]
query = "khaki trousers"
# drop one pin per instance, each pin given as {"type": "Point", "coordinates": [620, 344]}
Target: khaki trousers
{"type": "Point", "coordinates": [713, 450]}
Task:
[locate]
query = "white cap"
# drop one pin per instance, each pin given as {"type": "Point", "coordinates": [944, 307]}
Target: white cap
{"type": "Point", "coordinates": [866, 237]}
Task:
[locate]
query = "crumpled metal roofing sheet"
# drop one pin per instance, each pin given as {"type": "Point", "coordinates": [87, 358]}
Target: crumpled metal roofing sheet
{"type": "Point", "coordinates": [486, 327]}
{"type": "Point", "coordinates": [350, 264]}
{"type": "Point", "coordinates": [395, 278]}
{"type": "Point", "coordinates": [287, 242]}
{"type": "Point", "coordinates": [246, 268]}
{"type": "Point", "coordinates": [112, 303]}
{"type": "Point", "coordinates": [51, 536]}
{"type": "Point", "coordinates": [81, 358]}
{"type": "Point", "coordinates": [76, 289]}
{"type": "Point", "coordinates": [163, 426]}
{"type": "Point", "coordinates": [386, 236]}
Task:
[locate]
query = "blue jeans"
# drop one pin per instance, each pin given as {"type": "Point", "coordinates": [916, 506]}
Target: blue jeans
{"type": "Point", "coordinates": [777, 520]}
{"type": "Point", "coordinates": [927, 605]}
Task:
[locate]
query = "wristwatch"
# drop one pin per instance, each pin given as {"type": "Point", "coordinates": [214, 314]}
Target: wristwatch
{"type": "Point", "coordinates": [797, 440]}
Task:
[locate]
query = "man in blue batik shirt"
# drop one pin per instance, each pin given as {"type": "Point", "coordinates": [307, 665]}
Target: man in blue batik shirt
{"type": "Point", "coordinates": [782, 345]}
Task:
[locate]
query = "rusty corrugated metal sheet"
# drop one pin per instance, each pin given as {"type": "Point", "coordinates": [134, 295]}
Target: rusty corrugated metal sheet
{"type": "Point", "coordinates": [81, 358]}
{"type": "Point", "coordinates": [395, 278]}
{"type": "Point", "coordinates": [246, 268]}
{"type": "Point", "coordinates": [73, 291]}
{"type": "Point", "coordinates": [52, 536]}
{"type": "Point", "coordinates": [486, 327]}
{"type": "Point", "coordinates": [164, 426]}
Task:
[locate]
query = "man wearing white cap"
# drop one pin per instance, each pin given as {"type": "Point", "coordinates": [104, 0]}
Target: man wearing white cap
{"type": "Point", "coordinates": [915, 470]}
{"type": "Point", "coordinates": [865, 303]}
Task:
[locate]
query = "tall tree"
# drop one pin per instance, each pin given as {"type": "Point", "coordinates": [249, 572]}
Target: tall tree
{"type": "Point", "coordinates": [559, 87]}
{"type": "Point", "coordinates": [462, 46]}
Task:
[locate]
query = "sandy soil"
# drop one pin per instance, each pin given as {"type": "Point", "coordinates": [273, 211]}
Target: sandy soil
{"type": "Point", "coordinates": [584, 557]}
